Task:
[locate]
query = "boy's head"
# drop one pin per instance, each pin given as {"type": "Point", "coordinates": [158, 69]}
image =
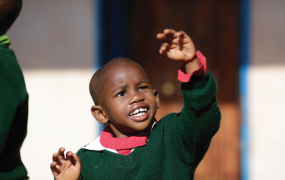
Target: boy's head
{"type": "Point", "coordinates": [9, 11]}
{"type": "Point", "coordinates": [123, 97]}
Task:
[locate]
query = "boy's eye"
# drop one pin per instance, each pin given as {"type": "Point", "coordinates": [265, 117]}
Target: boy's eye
{"type": "Point", "coordinates": [143, 87]}
{"type": "Point", "coordinates": [122, 93]}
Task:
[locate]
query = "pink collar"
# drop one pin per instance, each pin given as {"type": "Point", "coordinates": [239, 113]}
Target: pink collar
{"type": "Point", "coordinates": [123, 144]}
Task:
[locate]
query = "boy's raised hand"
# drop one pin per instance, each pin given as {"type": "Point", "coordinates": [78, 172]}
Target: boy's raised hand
{"type": "Point", "coordinates": [178, 46]}
{"type": "Point", "coordinates": [65, 168]}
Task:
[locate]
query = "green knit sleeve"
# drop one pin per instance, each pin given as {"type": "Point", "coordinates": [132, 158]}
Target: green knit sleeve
{"type": "Point", "coordinates": [199, 119]}
{"type": "Point", "coordinates": [86, 171]}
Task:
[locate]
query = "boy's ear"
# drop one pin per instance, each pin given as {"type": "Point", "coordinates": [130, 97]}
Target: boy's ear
{"type": "Point", "coordinates": [98, 114]}
{"type": "Point", "coordinates": [156, 98]}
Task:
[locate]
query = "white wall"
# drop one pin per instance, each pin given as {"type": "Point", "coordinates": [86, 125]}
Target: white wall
{"type": "Point", "coordinates": [266, 90]}
{"type": "Point", "coordinates": [59, 116]}
{"type": "Point", "coordinates": [266, 97]}
{"type": "Point", "coordinates": [53, 41]}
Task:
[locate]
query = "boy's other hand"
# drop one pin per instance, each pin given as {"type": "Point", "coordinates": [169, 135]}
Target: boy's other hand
{"type": "Point", "coordinates": [178, 46]}
{"type": "Point", "coordinates": [65, 168]}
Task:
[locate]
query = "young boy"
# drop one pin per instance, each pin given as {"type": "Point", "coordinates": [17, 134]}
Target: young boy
{"type": "Point", "coordinates": [134, 145]}
{"type": "Point", "coordinates": [13, 99]}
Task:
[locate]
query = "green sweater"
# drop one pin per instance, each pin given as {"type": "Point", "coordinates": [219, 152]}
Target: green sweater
{"type": "Point", "coordinates": [176, 144]}
{"type": "Point", "coordinates": [13, 115]}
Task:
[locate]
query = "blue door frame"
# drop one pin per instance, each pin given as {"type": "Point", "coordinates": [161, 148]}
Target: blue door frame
{"type": "Point", "coordinates": [243, 76]}
{"type": "Point", "coordinates": [109, 32]}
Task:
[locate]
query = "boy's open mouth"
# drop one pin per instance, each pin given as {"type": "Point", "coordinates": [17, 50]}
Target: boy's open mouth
{"type": "Point", "coordinates": [139, 114]}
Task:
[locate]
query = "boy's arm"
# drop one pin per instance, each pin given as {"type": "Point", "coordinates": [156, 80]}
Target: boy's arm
{"type": "Point", "coordinates": [200, 117]}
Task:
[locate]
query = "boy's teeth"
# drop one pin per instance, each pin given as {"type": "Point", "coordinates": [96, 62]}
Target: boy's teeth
{"type": "Point", "coordinates": [139, 112]}
{"type": "Point", "coordinates": [136, 111]}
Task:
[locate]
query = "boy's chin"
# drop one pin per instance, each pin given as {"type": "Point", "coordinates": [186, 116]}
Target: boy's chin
{"type": "Point", "coordinates": [142, 127]}
{"type": "Point", "coordinates": [135, 128]}
{"type": "Point", "coordinates": [146, 126]}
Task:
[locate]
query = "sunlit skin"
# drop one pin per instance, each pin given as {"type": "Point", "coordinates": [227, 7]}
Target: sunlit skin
{"type": "Point", "coordinates": [127, 89]}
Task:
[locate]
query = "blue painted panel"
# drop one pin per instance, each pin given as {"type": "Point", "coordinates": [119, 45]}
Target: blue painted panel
{"type": "Point", "coordinates": [114, 29]}
{"type": "Point", "coordinates": [109, 32]}
{"type": "Point", "coordinates": [243, 76]}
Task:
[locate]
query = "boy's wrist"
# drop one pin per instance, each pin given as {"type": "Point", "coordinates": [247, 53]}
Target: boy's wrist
{"type": "Point", "coordinates": [192, 65]}
{"type": "Point", "coordinates": [184, 75]}
{"type": "Point", "coordinates": [191, 59]}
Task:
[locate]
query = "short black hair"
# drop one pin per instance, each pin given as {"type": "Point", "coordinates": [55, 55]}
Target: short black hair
{"type": "Point", "coordinates": [98, 80]}
{"type": "Point", "coordinates": [9, 11]}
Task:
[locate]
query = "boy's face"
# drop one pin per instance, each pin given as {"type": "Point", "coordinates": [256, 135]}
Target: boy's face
{"type": "Point", "coordinates": [129, 102]}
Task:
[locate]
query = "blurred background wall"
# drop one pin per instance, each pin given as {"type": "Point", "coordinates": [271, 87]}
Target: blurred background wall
{"type": "Point", "coordinates": [59, 44]}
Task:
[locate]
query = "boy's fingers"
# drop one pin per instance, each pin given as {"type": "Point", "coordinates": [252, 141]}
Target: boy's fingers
{"type": "Point", "coordinates": [77, 161]}
{"type": "Point", "coordinates": [160, 36]}
{"type": "Point", "coordinates": [164, 37]}
{"type": "Point", "coordinates": [180, 33]}
{"type": "Point", "coordinates": [169, 32]}
{"type": "Point", "coordinates": [163, 52]}
{"type": "Point", "coordinates": [61, 153]}
{"type": "Point", "coordinates": [164, 47]}
{"type": "Point", "coordinates": [183, 36]}
{"type": "Point", "coordinates": [55, 158]}
{"type": "Point", "coordinates": [54, 170]}
{"type": "Point", "coordinates": [69, 156]}
{"type": "Point", "coordinates": [53, 165]}
{"type": "Point", "coordinates": [179, 40]}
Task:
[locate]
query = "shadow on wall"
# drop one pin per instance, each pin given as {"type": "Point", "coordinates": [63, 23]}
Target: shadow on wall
{"type": "Point", "coordinates": [267, 32]}
{"type": "Point", "coordinates": [53, 35]}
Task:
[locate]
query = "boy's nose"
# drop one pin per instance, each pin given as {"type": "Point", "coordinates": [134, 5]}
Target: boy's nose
{"type": "Point", "coordinates": [137, 97]}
